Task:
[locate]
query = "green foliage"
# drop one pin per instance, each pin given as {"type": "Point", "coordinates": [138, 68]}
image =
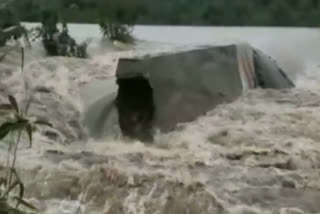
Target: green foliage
{"type": "Point", "coordinates": [11, 181]}
{"type": "Point", "coordinates": [49, 21]}
{"type": "Point", "coordinates": [120, 11]}
{"type": "Point", "coordinates": [117, 32]}
{"type": "Point", "coordinates": [10, 26]}
{"type": "Point", "coordinates": [16, 123]}
{"type": "Point", "coordinates": [116, 19]}
{"type": "Point", "coordinates": [186, 12]}
{"type": "Point", "coordinates": [8, 18]}
{"type": "Point", "coordinates": [56, 42]}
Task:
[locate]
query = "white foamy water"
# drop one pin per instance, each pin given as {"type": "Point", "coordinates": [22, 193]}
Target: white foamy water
{"type": "Point", "coordinates": [260, 154]}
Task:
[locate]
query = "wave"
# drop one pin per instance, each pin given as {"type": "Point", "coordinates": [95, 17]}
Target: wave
{"type": "Point", "coordinates": [259, 154]}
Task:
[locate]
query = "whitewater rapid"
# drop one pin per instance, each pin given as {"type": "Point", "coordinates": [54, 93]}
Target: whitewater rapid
{"type": "Point", "coordinates": [260, 154]}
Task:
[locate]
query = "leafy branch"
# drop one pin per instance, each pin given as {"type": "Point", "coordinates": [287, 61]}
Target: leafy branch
{"type": "Point", "coordinates": [16, 124]}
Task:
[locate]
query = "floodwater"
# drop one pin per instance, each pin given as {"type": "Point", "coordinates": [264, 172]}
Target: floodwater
{"type": "Point", "coordinates": [296, 49]}
{"type": "Point", "coordinates": [260, 154]}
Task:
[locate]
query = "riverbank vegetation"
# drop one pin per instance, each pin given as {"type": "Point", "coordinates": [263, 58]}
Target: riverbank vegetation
{"type": "Point", "coordinates": [116, 20]}
{"type": "Point", "coordinates": [57, 42]}
{"type": "Point", "coordinates": [184, 12]}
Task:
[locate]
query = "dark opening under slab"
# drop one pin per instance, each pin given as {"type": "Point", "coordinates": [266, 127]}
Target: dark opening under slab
{"type": "Point", "coordinates": [135, 108]}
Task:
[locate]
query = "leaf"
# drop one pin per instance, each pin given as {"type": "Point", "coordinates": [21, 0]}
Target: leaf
{"type": "Point", "coordinates": [29, 132]}
{"type": "Point", "coordinates": [22, 58]}
{"type": "Point", "coordinates": [5, 129]}
{"type": "Point", "coordinates": [11, 187]}
{"type": "Point", "coordinates": [25, 203]}
{"type": "Point", "coordinates": [21, 120]}
{"type": "Point", "coordinates": [14, 103]}
{"type": "Point", "coordinates": [3, 183]}
{"type": "Point", "coordinates": [43, 123]}
{"type": "Point", "coordinates": [13, 126]}
{"type": "Point", "coordinates": [21, 186]}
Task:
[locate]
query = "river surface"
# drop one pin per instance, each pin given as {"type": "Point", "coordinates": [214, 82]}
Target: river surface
{"type": "Point", "coordinates": [294, 48]}
{"type": "Point", "coordinates": [260, 154]}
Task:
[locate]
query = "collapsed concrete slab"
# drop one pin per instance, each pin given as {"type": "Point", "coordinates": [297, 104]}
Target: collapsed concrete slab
{"type": "Point", "coordinates": [161, 91]}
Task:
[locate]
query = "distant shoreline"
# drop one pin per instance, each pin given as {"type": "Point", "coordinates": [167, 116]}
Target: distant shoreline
{"type": "Point", "coordinates": [195, 26]}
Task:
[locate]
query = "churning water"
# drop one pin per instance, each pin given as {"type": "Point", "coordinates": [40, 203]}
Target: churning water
{"type": "Point", "coordinates": [260, 154]}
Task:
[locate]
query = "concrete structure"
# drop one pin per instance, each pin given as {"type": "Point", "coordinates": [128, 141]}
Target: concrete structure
{"type": "Point", "coordinates": [164, 90]}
